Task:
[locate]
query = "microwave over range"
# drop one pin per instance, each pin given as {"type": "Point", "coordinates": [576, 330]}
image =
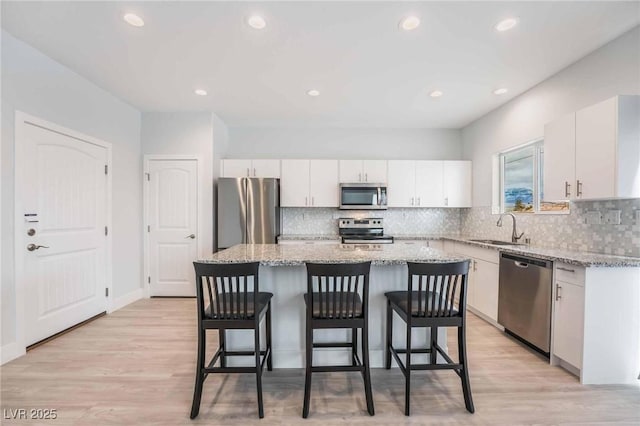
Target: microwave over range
{"type": "Point", "coordinates": [363, 196]}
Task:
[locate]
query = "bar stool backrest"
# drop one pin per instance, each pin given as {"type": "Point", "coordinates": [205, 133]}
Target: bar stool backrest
{"type": "Point", "coordinates": [332, 287]}
{"type": "Point", "coordinates": [228, 289]}
{"type": "Point", "coordinates": [438, 286]}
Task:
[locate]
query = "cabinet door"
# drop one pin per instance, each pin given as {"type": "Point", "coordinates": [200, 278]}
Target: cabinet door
{"type": "Point", "coordinates": [265, 168]}
{"type": "Point", "coordinates": [429, 184]}
{"type": "Point", "coordinates": [471, 284]}
{"type": "Point", "coordinates": [401, 185]}
{"type": "Point", "coordinates": [294, 183]}
{"type": "Point", "coordinates": [236, 168]}
{"type": "Point", "coordinates": [351, 171]}
{"type": "Point", "coordinates": [375, 171]}
{"type": "Point", "coordinates": [596, 150]}
{"type": "Point", "coordinates": [457, 183]}
{"type": "Point", "coordinates": [485, 280]}
{"type": "Point", "coordinates": [568, 323]}
{"type": "Point", "coordinates": [560, 159]}
{"type": "Point", "coordinates": [323, 184]}
{"type": "Point", "coordinates": [436, 244]}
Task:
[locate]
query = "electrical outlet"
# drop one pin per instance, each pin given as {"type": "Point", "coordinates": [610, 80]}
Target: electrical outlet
{"type": "Point", "coordinates": [593, 217]}
{"type": "Point", "coordinates": [613, 217]}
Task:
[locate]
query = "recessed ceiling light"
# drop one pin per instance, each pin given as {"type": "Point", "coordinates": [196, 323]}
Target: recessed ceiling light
{"type": "Point", "coordinates": [506, 24]}
{"type": "Point", "coordinates": [500, 91]}
{"type": "Point", "coordinates": [256, 22]}
{"type": "Point", "coordinates": [410, 23]}
{"type": "Point", "coordinates": [200, 92]}
{"type": "Point", "coordinates": [133, 19]}
{"type": "Point", "coordinates": [436, 94]}
{"type": "Point", "coordinates": [313, 92]}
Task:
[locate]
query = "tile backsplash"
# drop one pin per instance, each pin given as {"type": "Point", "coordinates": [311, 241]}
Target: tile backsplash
{"type": "Point", "coordinates": [563, 231]}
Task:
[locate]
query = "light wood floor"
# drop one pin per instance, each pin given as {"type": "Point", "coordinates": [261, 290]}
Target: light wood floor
{"type": "Point", "coordinates": [136, 366]}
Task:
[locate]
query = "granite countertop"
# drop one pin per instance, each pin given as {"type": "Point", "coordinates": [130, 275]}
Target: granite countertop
{"type": "Point", "coordinates": [573, 257]}
{"type": "Point", "coordinates": [292, 255]}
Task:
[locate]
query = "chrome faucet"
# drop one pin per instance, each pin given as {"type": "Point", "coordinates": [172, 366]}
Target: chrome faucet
{"type": "Point", "coordinates": [514, 233]}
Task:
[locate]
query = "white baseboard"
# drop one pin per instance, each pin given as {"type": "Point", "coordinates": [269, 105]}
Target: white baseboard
{"type": "Point", "coordinates": [128, 298]}
{"type": "Point", "coordinates": [11, 351]}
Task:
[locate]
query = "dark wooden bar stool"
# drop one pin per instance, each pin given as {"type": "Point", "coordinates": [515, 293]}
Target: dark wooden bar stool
{"type": "Point", "coordinates": [338, 297]}
{"type": "Point", "coordinates": [430, 302]}
{"type": "Point", "coordinates": [234, 302]}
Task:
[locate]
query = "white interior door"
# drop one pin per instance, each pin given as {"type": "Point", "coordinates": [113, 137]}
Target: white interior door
{"type": "Point", "coordinates": [64, 194]}
{"type": "Point", "coordinates": [172, 226]}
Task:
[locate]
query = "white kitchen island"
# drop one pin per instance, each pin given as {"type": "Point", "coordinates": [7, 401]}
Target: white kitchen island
{"type": "Point", "coordinates": [282, 272]}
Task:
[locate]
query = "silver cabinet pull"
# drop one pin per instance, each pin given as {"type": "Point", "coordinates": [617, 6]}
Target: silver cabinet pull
{"type": "Point", "coordinates": [248, 172]}
{"type": "Point", "coordinates": [475, 265]}
{"type": "Point", "coordinates": [313, 201]}
{"type": "Point", "coordinates": [558, 288]}
{"type": "Point", "coordinates": [32, 247]}
{"type": "Point", "coordinates": [446, 201]}
{"type": "Point", "coordinates": [254, 172]}
{"type": "Point", "coordinates": [565, 269]}
{"type": "Point", "coordinates": [412, 201]}
{"type": "Point", "coordinates": [359, 177]}
{"type": "Point", "coordinates": [418, 200]}
{"type": "Point", "coordinates": [366, 178]}
{"type": "Point", "coordinates": [579, 189]}
{"type": "Point", "coordinates": [192, 236]}
{"type": "Point", "coordinates": [306, 201]}
{"type": "Point", "coordinates": [567, 189]}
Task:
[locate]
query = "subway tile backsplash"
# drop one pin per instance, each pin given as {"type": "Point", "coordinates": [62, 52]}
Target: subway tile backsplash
{"type": "Point", "coordinates": [568, 231]}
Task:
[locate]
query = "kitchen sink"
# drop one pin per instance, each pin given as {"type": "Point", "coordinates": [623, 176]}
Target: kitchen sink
{"type": "Point", "coordinates": [498, 242]}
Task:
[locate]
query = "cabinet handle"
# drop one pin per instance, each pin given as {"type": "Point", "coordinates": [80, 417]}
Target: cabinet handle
{"type": "Point", "coordinates": [366, 177]}
{"type": "Point", "coordinates": [412, 201]}
{"type": "Point", "coordinates": [475, 265]}
{"type": "Point", "coordinates": [418, 200]}
{"type": "Point", "coordinates": [254, 171]}
{"type": "Point", "coordinates": [359, 177]}
{"type": "Point", "coordinates": [306, 201]}
{"type": "Point", "coordinates": [558, 288]}
{"type": "Point", "coordinates": [248, 172]}
{"type": "Point", "coordinates": [446, 201]}
{"type": "Point", "coordinates": [579, 189]}
{"type": "Point", "coordinates": [313, 201]}
{"type": "Point", "coordinates": [565, 269]}
{"type": "Point", "coordinates": [567, 189]}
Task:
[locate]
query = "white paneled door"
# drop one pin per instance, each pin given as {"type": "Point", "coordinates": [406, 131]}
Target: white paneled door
{"type": "Point", "coordinates": [172, 214]}
{"type": "Point", "coordinates": [64, 190]}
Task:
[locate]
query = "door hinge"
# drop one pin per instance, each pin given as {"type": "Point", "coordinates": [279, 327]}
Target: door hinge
{"type": "Point", "coordinates": [106, 230]}
{"type": "Point", "coordinates": [106, 169]}
{"type": "Point", "coordinates": [149, 280]}
{"type": "Point", "coordinates": [106, 291]}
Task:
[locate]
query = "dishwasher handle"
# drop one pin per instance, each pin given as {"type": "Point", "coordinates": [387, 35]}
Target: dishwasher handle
{"type": "Point", "coordinates": [520, 264]}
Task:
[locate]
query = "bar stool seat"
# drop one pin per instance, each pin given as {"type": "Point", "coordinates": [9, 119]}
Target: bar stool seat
{"type": "Point", "coordinates": [335, 305]}
{"type": "Point", "coordinates": [421, 302]}
{"type": "Point", "coordinates": [235, 305]}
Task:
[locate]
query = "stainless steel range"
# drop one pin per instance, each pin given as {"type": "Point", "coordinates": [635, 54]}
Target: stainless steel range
{"type": "Point", "coordinates": [359, 231]}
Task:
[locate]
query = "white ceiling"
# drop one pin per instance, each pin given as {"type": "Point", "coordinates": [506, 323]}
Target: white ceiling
{"type": "Point", "coordinates": [368, 71]}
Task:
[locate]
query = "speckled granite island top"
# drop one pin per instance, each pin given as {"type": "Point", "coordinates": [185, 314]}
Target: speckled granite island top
{"type": "Point", "coordinates": [298, 254]}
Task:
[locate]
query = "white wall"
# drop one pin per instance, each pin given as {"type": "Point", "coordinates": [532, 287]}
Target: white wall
{"type": "Point", "coordinates": [611, 70]}
{"type": "Point", "coordinates": [37, 85]}
{"type": "Point", "coordinates": [220, 146]}
{"type": "Point", "coordinates": [344, 143]}
{"type": "Point", "coordinates": [186, 133]}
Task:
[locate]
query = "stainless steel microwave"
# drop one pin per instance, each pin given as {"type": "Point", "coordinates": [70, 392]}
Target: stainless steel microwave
{"type": "Point", "coordinates": [363, 196]}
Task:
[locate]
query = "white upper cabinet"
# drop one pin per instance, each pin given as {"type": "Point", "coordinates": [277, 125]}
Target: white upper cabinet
{"type": "Point", "coordinates": [457, 183]}
{"type": "Point", "coordinates": [401, 185]}
{"type": "Point", "coordinates": [309, 183]}
{"type": "Point", "coordinates": [294, 183]}
{"type": "Point", "coordinates": [323, 183]}
{"type": "Point", "coordinates": [353, 171]}
{"type": "Point", "coordinates": [600, 157]}
{"type": "Point", "coordinates": [250, 168]}
{"type": "Point", "coordinates": [429, 183]}
{"type": "Point", "coordinates": [559, 158]}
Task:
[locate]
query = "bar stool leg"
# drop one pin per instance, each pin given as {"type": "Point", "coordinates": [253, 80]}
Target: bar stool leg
{"type": "Point", "coordinates": [200, 376]}
{"type": "Point", "coordinates": [407, 389]}
{"type": "Point", "coordinates": [223, 346]}
{"type": "Point", "coordinates": [464, 373]}
{"type": "Point", "coordinates": [366, 372]}
{"type": "Point", "coordinates": [434, 342]}
{"type": "Point", "coordinates": [354, 345]}
{"type": "Point", "coordinates": [258, 368]}
{"type": "Point", "coordinates": [309, 364]}
{"type": "Point", "coordinates": [389, 336]}
{"type": "Point", "coordinates": [269, 360]}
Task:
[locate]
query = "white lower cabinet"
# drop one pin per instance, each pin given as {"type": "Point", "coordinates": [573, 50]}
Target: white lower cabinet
{"type": "Point", "coordinates": [568, 323]}
{"type": "Point", "coordinates": [485, 292]}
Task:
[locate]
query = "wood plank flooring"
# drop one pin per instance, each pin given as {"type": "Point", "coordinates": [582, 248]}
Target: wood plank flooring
{"type": "Point", "coordinates": [136, 366]}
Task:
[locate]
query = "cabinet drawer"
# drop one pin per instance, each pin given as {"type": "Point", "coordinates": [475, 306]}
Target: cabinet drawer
{"type": "Point", "coordinates": [488, 255]}
{"type": "Point", "coordinates": [570, 273]}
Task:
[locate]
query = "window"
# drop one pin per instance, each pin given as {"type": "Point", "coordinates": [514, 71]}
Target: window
{"type": "Point", "coordinates": [521, 181]}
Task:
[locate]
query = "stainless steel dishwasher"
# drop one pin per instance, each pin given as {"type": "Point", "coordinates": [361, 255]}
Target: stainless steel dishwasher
{"type": "Point", "coordinates": [524, 302]}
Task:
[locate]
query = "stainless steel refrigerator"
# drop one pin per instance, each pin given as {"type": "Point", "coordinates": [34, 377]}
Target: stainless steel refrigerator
{"type": "Point", "coordinates": [248, 211]}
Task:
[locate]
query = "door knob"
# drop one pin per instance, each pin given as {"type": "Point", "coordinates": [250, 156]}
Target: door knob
{"type": "Point", "coordinates": [192, 236]}
{"type": "Point", "coordinates": [32, 247]}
